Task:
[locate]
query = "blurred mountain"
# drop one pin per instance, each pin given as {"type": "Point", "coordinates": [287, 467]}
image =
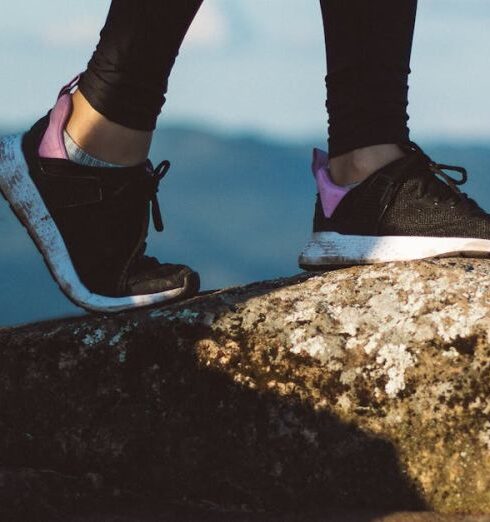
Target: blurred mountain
{"type": "Point", "coordinates": [237, 209]}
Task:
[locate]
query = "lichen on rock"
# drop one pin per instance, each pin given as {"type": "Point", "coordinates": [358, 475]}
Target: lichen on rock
{"type": "Point", "coordinates": [361, 387]}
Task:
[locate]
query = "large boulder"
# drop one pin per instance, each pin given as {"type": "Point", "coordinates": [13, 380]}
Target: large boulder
{"type": "Point", "coordinates": [365, 388]}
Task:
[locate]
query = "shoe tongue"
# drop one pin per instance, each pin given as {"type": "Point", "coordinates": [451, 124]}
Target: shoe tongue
{"type": "Point", "coordinates": [52, 144]}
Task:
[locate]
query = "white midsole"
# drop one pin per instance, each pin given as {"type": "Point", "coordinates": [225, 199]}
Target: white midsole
{"type": "Point", "coordinates": [22, 194]}
{"type": "Point", "coordinates": [332, 248]}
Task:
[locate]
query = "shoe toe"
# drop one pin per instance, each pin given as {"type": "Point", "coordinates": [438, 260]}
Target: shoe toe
{"type": "Point", "coordinates": [163, 278]}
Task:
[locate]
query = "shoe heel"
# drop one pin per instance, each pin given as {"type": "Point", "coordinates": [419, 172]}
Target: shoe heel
{"type": "Point", "coordinates": [12, 169]}
{"type": "Point", "coordinates": [11, 158]}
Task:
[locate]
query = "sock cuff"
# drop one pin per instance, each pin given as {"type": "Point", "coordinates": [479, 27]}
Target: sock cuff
{"type": "Point", "coordinates": [79, 156]}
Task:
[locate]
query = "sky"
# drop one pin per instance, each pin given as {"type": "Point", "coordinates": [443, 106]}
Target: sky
{"type": "Point", "coordinates": [254, 66]}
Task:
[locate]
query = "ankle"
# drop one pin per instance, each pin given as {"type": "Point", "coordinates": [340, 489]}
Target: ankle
{"type": "Point", "coordinates": [359, 164]}
{"type": "Point", "coordinates": [104, 139]}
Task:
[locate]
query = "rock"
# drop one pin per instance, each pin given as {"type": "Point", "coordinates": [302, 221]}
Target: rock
{"type": "Point", "coordinates": [181, 514]}
{"type": "Point", "coordinates": [362, 388]}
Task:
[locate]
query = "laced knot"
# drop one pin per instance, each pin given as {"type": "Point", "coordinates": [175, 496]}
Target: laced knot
{"type": "Point", "coordinates": [157, 174]}
{"type": "Point", "coordinates": [439, 168]}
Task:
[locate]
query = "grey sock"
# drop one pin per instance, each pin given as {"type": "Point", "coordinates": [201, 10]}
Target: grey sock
{"type": "Point", "coordinates": [352, 185]}
{"type": "Point", "coordinates": [79, 156]}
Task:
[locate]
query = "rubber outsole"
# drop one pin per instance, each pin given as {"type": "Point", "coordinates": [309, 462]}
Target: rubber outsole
{"type": "Point", "coordinates": [331, 249]}
{"type": "Point", "coordinates": [20, 192]}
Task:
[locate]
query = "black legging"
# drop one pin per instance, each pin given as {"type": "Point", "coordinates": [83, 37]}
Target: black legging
{"type": "Point", "coordinates": [368, 54]}
{"type": "Point", "coordinates": [127, 77]}
{"type": "Point", "coordinates": [369, 43]}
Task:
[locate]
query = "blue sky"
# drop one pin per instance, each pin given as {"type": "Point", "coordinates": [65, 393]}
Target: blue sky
{"type": "Point", "coordinates": [255, 65]}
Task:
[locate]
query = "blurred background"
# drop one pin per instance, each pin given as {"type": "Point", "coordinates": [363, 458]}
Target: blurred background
{"type": "Point", "coordinates": [244, 108]}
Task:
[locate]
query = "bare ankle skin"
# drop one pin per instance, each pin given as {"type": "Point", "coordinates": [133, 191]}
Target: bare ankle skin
{"type": "Point", "coordinates": [103, 139]}
{"type": "Point", "coordinates": [359, 164]}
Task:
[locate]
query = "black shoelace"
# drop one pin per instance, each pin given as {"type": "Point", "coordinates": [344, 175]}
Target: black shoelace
{"type": "Point", "coordinates": [439, 168]}
{"type": "Point", "coordinates": [141, 261]}
{"type": "Point", "coordinates": [157, 175]}
{"type": "Point", "coordinates": [453, 196]}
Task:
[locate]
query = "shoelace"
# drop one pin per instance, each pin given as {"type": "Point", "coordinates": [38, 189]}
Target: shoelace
{"type": "Point", "coordinates": [439, 168]}
{"type": "Point", "coordinates": [142, 262]}
{"type": "Point", "coordinates": [157, 175]}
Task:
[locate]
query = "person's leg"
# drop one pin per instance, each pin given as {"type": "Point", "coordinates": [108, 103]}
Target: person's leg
{"type": "Point", "coordinates": [368, 47]}
{"type": "Point", "coordinates": [380, 197]}
{"type": "Point", "coordinates": [123, 89]}
{"type": "Point", "coordinates": [106, 140]}
{"type": "Point", "coordinates": [89, 219]}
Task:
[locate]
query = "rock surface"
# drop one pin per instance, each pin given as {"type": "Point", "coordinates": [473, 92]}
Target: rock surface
{"type": "Point", "coordinates": [362, 388]}
{"type": "Point", "coordinates": [192, 515]}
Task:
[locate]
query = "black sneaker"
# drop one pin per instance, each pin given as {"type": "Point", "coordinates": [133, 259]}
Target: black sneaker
{"type": "Point", "coordinates": [410, 209]}
{"type": "Point", "coordinates": [89, 223]}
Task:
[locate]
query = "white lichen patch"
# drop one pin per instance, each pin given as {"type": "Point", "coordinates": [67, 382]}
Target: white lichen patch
{"type": "Point", "coordinates": [93, 338]}
{"type": "Point", "coordinates": [155, 314]}
{"type": "Point", "coordinates": [386, 303]}
{"type": "Point", "coordinates": [423, 331]}
{"type": "Point", "coordinates": [373, 343]}
{"type": "Point", "coordinates": [451, 353]}
{"type": "Point", "coordinates": [186, 315]}
{"type": "Point", "coordinates": [350, 318]}
{"type": "Point", "coordinates": [352, 343]}
{"type": "Point", "coordinates": [449, 324]}
{"type": "Point", "coordinates": [325, 349]}
{"type": "Point", "coordinates": [313, 346]}
{"type": "Point", "coordinates": [302, 312]}
{"type": "Point", "coordinates": [442, 283]}
{"type": "Point", "coordinates": [347, 377]}
{"type": "Point", "coordinates": [116, 339]}
{"type": "Point", "coordinates": [54, 332]}
{"type": "Point", "coordinates": [411, 281]}
{"type": "Point", "coordinates": [395, 360]}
